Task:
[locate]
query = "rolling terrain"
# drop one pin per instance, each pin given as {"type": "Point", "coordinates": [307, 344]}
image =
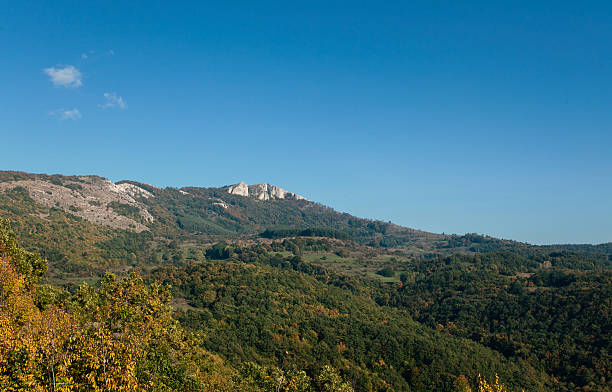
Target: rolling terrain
{"type": "Point", "coordinates": [272, 279]}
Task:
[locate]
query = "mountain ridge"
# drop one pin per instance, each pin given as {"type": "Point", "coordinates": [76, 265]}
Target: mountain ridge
{"type": "Point", "coordinates": [225, 253]}
{"type": "Point", "coordinates": [137, 193]}
{"type": "Point", "coordinates": [229, 205]}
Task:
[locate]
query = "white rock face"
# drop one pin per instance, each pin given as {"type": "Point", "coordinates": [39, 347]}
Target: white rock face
{"type": "Point", "coordinates": [280, 193]}
{"type": "Point", "coordinates": [241, 189]}
{"type": "Point", "coordinates": [218, 202]}
{"type": "Point", "coordinates": [134, 191]}
{"type": "Point", "coordinates": [262, 192]}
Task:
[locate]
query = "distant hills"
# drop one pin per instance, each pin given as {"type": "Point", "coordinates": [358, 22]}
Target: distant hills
{"type": "Point", "coordinates": [85, 224]}
{"type": "Point", "coordinates": [231, 212]}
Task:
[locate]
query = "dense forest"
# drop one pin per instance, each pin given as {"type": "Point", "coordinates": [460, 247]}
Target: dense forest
{"type": "Point", "coordinates": [117, 336]}
{"type": "Point", "coordinates": [554, 320]}
{"type": "Point", "coordinates": [557, 317]}
{"type": "Point", "coordinates": [121, 335]}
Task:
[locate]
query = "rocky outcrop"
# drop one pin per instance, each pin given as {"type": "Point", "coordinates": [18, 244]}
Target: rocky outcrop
{"type": "Point", "coordinates": [262, 192]}
{"type": "Point", "coordinates": [240, 189]}
{"type": "Point", "coordinates": [133, 190]}
{"type": "Point", "coordinates": [219, 202]}
{"type": "Point", "coordinates": [91, 198]}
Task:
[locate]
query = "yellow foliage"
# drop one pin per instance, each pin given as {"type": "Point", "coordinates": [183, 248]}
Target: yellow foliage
{"type": "Point", "coordinates": [461, 385]}
{"type": "Point", "coordinates": [32, 342]}
{"type": "Point", "coordinates": [484, 386]}
{"type": "Point", "coordinates": [120, 337]}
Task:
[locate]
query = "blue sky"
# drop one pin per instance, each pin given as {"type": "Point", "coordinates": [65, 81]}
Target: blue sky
{"type": "Point", "coordinates": [475, 116]}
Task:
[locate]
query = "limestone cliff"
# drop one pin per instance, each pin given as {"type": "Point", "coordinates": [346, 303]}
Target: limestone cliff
{"type": "Point", "coordinates": [262, 192]}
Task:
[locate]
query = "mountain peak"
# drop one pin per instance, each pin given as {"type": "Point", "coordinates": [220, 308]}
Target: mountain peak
{"type": "Point", "coordinates": [262, 191]}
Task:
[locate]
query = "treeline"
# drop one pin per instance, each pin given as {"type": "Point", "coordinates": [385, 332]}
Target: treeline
{"type": "Point", "coordinates": [310, 232]}
{"type": "Point", "coordinates": [212, 211]}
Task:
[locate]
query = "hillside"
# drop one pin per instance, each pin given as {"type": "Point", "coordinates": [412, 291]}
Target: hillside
{"type": "Point", "coordinates": [193, 210]}
{"type": "Point", "coordinates": [117, 223]}
{"type": "Point", "coordinates": [230, 211]}
{"type": "Point", "coordinates": [265, 277]}
{"type": "Point", "coordinates": [274, 328]}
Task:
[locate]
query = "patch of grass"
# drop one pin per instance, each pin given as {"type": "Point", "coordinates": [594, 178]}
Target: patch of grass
{"type": "Point", "coordinates": [386, 279]}
{"type": "Point", "coordinates": [125, 210]}
{"type": "Point", "coordinates": [74, 187]}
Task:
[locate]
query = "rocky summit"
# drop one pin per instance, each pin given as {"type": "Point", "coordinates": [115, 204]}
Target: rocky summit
{"type": "Point", "coordinates": [262, 191]}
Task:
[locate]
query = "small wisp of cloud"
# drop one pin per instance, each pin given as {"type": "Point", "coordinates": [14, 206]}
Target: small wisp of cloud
{"type": "Point", "coordinates": [113, 101]}
{"type": "Point", "coordinates": [67, 114]}
{"type": "Point", "coordinates": [68, 76]}
{"type": "Point", "coordinates": [93, 55]}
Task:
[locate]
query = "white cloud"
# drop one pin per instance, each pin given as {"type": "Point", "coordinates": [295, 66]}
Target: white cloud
{"type": "Point", "coordinates": [84, 56]}
{"type": "Point", "coordinates": [68, 76]}
{"type": "Point", "coordinates": [113, 101]}
{"type": "Point", "coordinates": [70, 114]}
{"type": "Point", "coordinates": [73, 114]}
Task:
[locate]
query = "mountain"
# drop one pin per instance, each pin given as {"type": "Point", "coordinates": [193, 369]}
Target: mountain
{"type": "Point", "coordinates": [124, 220]}
{"type": "Point", "coordinates": [232, 211]}
{"type": "Point", "coordinates": [269, 277]}
{"type": "Point", "coordinates": [196, 213]}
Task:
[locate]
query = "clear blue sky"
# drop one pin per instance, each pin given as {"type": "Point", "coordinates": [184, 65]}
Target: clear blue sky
{"type": "Point", "coordinates": [449, 116]}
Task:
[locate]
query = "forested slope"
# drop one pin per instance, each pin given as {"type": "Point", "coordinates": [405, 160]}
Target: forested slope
{"type": "Point", "coordinates": [281, 288]}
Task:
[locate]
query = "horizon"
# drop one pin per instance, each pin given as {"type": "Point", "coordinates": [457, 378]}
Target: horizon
{"type": "Point", "coordinates": [161, 186]}
{"type": "Point", "coordinates": [471, 118]}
